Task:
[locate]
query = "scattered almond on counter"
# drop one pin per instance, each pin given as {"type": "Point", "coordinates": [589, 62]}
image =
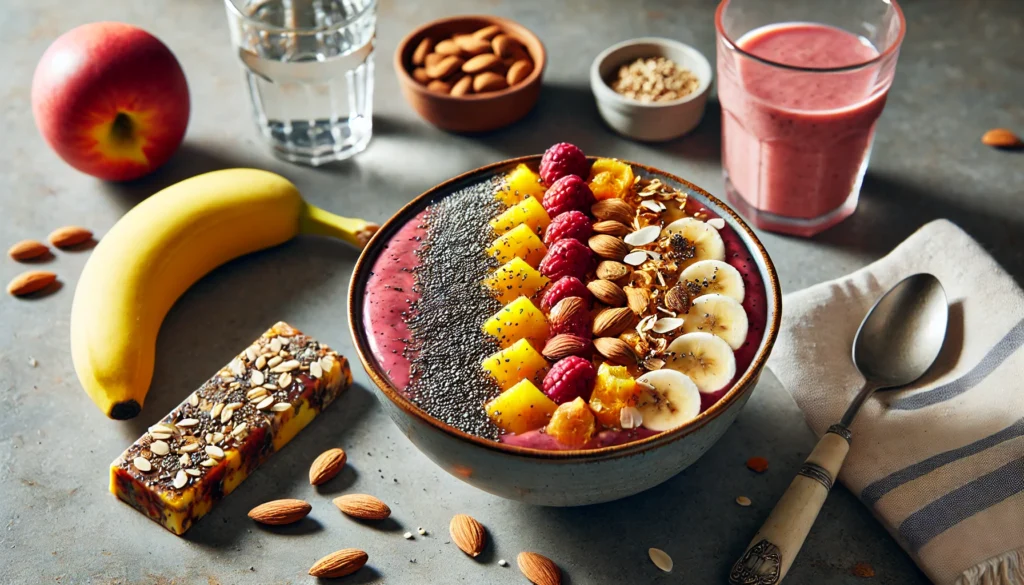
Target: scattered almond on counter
{"type": "Point", "coordinates": [27, 250]}
{"type": "Point", "coordinates": [468, 534]}
{"type": "Point", "coordinates": [68, 236]}
{"type": "Point", "coordinates": [326, 466]}
{"type": "Point", "coordinates": [362, 506]}
{"type": "Point", "coordinates": [660, 559]}
{"type": "Point", "coordinates": [279, 512]}
{"type": "Point", "coordinates": [1001, 138]}
{"type": "Point", "coordinates": [339, 563]}
{"type": "Point", "coordinates": [29, 282]}
{"type": "Point", "coordinates": [539, 569]}
{"type": "Point", "coordinates": [484, 61]}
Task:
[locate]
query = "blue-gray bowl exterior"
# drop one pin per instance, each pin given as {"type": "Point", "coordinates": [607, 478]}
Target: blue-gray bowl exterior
{"type": "Point", "coordinates": [562, 478]}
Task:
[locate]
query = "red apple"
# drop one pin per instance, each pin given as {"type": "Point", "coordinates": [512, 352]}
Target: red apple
{"type": "Point", "coordinates": [111, 100]}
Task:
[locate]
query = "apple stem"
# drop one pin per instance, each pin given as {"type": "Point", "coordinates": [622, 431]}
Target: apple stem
{"type": "Point", "coordinates": [317, 221]}
{"type": "Point", "coordinates": [121, 128]}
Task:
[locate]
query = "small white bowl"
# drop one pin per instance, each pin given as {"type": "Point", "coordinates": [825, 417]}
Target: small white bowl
{"type": "Point", "coordinates": [650, 121]}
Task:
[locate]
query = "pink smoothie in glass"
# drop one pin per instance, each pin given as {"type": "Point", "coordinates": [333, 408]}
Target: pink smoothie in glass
{"type": "Point", "coordinates": [795, 143]}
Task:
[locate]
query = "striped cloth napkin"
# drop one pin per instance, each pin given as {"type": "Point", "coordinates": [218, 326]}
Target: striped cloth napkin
{"type": "Point", "coordinates": [940, 464]}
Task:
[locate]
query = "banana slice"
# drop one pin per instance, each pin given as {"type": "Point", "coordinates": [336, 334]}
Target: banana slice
{"type": "Point", "coordinates": [719, 315]}
{"type": "Point", "coordinates": [671, 399]}
{"type": "Point", "coordinates": [706, 359]}
{"type": "Point", "coordinates": [706, 241]}
{"type": "Point", "coordinates": [714, 276]}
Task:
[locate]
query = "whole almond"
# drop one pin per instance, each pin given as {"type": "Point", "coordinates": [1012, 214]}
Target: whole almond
{"type": "Point", "coordinates": [468, 534]}
{"type": "Point", "coordinates": [505, 46]}
{"type": "Point", "coordinates": [613, 209]}
{"type": "Point", "coordinates": [615, 350]}
{"type": "Point", "coordinates": [419, 56]}
{"type": "Point", "coordinates": [1001, 138]}
{"type": "Point", "coordinates": [326, 466]}
{"type": "Point", "coordinates": [362, 506]}
{"type": "Point", "coordinates": [607, 292]}
{"type": "Point", "coordinates": [677, 299]}
{"type": "Point", "coordinates": [638, 299]}
{"type": "Point", "coordinates": [539, 569]}
{"type": "Point", "coordinates": [448, 47]}
{"type": "Point", "coordinates": [439, 86]}
{"type": "Point", "coordinates": [519, 71]}
{"type": "Point", "coordinates": [488, 81]}
{"type": "Point", "coordinates": [612, 270]}
{"type": "Point", "coordinates": [339, 563]}
{"type": "Point", "coordinates": [420, 75]}
{"type": "Point", "coordinates": [463, 86]}
{"type": "Point", "coordinates": [481, 63]}
{"type": "Point", "coordinates": [444, 67]}
{"type": "Point", "coordinates": [565, 311]}
{"type": "Point", "coordinates": [611, 322]}
{"type": "Point", "coordinates": [29, 282]}
{"type": "Point", "coordinates": [608, 247]}
{"type": "Point", "coordinates": [433, 59]}
{"type": "Point", "coordinates": [471, 45]}
{"type": "Point", "coordinates": [27, 250]}
{"type": "Point", "coordinates": [487, 33]}
{"type": "Point", "coordinates": [610, 227]}
{"type": "Point", "coordinates": [565, 345]}
{"type": "Point", "coordinates": [69, 235]}
{"type": "Point", "coordinates": [280, 512]}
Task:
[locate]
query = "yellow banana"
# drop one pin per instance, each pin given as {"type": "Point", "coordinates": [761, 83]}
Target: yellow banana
{"type": "Point", "coordinates": [159, 249]}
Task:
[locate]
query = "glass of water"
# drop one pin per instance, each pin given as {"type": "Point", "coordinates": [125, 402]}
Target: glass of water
{"type": "Point", "coordinates": [309, 68]}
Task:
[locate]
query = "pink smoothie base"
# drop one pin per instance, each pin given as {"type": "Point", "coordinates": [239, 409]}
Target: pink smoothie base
{"type": "Point", "coordinates": [795, 143]}
{"type": "Point", "coordinates": [389, 292]}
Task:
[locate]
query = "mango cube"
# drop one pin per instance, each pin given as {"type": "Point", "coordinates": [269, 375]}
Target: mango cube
{"type": "Point", "coordinates": [521, 408]}
{"type": "Point", "coordinates": [521, 183]}
{"type": "Point", "coordinates": [529, 211]}
{"type": "Point", "coordinates": [519, 361]}
{"type": "Point", "coordinates": [520, 319]}
{"type": "Point", "coordinates": [513, 279]}
{"type": "Point", "coordinates": [519, 242]}
{"type": "Point", "coordinates": [614, 390]}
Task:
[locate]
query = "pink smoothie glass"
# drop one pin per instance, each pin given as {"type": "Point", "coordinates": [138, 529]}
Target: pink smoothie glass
{"type": "Point", "coordinates": [802, 86]}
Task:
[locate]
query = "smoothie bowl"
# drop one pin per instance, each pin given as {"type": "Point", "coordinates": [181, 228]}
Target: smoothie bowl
{"type": "Point", "coordinates": [564, 330]}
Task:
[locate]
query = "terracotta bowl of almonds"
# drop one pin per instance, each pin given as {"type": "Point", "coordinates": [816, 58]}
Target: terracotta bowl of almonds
{"type": "Point", "coordinates": [651, 89]}
{"type": "Point", "coordinates": [471, 74]}
{"type": "Point", "coordinates": [564, 330]}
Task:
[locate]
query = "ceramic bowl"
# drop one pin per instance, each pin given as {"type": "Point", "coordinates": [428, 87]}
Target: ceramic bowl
{"type": "Point", "coordinates": [471, 113]}
{"type": "Point", "coordinates": [561, 478]}
{"type": "Point", "coordinates": [650, 121]}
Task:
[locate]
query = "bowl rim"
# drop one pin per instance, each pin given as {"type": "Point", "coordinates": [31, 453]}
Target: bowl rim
{"type": "Point", "coordinates": [407, 80]}
{"type": "Point", "coordinates": [741, 387]}
{"type": "Point", "coordinates": [600, 86]}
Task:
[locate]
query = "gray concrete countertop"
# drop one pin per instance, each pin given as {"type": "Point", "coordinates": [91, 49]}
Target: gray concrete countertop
{"type": "Point", "coordinates": [960, 73]}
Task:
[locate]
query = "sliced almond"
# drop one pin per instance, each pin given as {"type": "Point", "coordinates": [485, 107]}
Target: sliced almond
{"type": "Point", "coordinates": [27, 250]}
{"type": "Point", "coordinates": [468, 534]}
{"type": "Point", "coordinates": [159, 448]}
{"type": "Point", "coordinates": [667, 324]}
{"type": "Point", "coordinates": [339, 563]}
{"type": "Point", "coordinates": [643, 236]}
{"type": "Point", "coordinates": [70, 235]}
{"type": "Point", "coordinates": [327, 465]}
{"type": "Point", "coordinates": [362, 506]}
{"type": "Point", "coordinates": [180, 479]}
{"type": "Point", "coordinates": [280, 512]}
{"type": "Point", "coordinates": [539, 569]}
{"type": "Point", "coordinates": [29, 282]}
{"type": "Point", "coordinates": [142, 464]}
{"type": "Point", "coordinates": [660, 559]}
{"type": "Point", "coordinates": [635, 258]}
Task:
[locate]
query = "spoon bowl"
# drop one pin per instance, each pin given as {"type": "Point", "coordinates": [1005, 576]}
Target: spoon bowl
{"type": "Point", "coordinates": [901, 336]}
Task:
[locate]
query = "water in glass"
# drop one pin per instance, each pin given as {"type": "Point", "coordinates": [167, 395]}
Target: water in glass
{"type": "Point", "coordinates": [309, 70]}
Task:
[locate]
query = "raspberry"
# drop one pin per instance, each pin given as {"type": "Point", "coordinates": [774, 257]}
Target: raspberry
{"type": "Point", "coordinates": [563, 159]}
{"type": "Point", "coordinates": [570, 378]}
{"type": "Point", "coordinates": [568, 193]}
{"type": "Point", "coordinates": [571, 224]}
{"type": "Point", "coordinates": [566, 258]}
{"type": "Point", "coordinates": [570, 315]}
{"type": "Point", "coordinates": [567, 286]}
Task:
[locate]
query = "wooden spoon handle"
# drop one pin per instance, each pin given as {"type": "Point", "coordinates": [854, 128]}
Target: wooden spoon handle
{"type": "Point", "coordinates": [776, 544]}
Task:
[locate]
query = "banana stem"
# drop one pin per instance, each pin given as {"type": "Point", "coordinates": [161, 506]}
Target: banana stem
{"type": "Point", "coordinates": [357, 232]}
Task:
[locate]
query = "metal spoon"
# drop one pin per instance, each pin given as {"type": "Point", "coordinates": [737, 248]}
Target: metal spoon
{"type": "Point", "coordinates": [897, 342]}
